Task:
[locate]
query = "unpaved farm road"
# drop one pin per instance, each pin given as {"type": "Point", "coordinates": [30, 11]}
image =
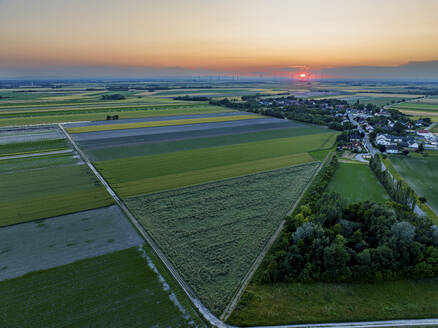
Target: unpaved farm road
{"type": "Point", "coordinates": [37, 154]}
{"type": "Point", "coordinates": [208, 316]}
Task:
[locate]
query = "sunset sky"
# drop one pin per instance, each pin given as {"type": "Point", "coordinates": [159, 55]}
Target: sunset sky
{"type": "Point", "coordinates": [246, 36]}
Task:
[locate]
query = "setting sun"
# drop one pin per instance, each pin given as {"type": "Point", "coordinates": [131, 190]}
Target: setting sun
{"type": "Point", "coordinates": [303, 75]}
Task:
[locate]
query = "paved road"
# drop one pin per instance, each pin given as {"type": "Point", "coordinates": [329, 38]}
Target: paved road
{"type": "Point", "coordinates": [37, 154]}
{"type": "Point", "coordinates": [366, 140]}
{"type": "Point", "coordinates": [367, 324]}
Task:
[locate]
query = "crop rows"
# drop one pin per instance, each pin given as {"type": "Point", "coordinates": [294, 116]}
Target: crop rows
{"type": "Point", "coordinates": [44, 192]}
{"type": "Point", "coordinates": [129, 176]}
{"type": "Point", "coordinates": [113, 290]}
{"type": "Point", "coordinates": [213, 232]}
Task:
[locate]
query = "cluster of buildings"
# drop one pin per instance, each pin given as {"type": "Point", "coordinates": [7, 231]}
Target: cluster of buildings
{"type": "Point", "coordinates": [393, 142]}
{"type": "Point", "coordinates": [410, 142]}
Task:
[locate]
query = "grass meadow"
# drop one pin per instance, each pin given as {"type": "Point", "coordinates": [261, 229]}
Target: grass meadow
{"type": "Point", "coordinates": [357, 183]}
{"type": "Point", "coordinates": [295, 303]}
{"type": "Point", "coordinates": [420, 173]}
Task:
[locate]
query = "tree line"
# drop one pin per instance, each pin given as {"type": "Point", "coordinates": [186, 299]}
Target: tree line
{"type": "Point", "coordinates": [399, 191]}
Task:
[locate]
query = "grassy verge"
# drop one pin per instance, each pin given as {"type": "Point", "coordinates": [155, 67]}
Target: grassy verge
{"type": "Point", "coordinates": [323, 302]}
{"type": "Point", "coordinates": [357, 183]}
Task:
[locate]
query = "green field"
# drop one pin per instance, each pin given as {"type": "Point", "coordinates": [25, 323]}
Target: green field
{"type": "Point", "coordinates": [421, 174]}
{"type": "Point", "coordinates": [213, 232]}
{"type": "Point", "coordinates": [357, 183]}
{"type": "Point", "coordinates": [32, 147]}
{"type": "Point", "coordinates": [137, 175]}
{"type": "Point", "coordinates": [287, 303]}
{"type": "Point", "coordinates": [49, 191]}
{"type": "Point", "coordinates": [197, 143]}
{"type": "Point", "coordinates": [114, 290]}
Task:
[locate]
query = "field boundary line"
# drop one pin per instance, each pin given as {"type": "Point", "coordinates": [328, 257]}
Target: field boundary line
{"type": "Point", "coordinates": [236, 298]}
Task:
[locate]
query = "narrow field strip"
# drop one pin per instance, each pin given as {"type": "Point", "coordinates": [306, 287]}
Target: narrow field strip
{"type": "Point", "coordinates": [161, 123]}
{"type": "Point", "coordinates": [173, 181]}
{"type": "Point", "coordinates": [36, 154]}
{"type": "Point", "coordinates": [19, 148]}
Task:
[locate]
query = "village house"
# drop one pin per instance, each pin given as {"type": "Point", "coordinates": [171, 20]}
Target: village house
{"type": "Point", "coordinates": [392, 149]}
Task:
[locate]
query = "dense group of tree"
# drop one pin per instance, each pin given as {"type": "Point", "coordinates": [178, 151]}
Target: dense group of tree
{"type": "Point", "coordinates": [326, 240]}
{"type": "Point", "coordinates": [399, 191]}
{"type": "Point", "coordinates": [115, 96]}
{"type": "Point", "coordinates": [192, 98]}
{"type": "Point", "coordinates": [321, 112]}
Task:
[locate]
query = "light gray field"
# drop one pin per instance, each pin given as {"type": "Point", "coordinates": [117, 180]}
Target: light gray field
{"type": "Point", "coordinates": [61, 240]}
{"type": "Point", "coordinates": [155, 119]}
{"type": "Point", "coordinates": [13, 135]}
{"type": "Point", "coordinates": [171, 129]}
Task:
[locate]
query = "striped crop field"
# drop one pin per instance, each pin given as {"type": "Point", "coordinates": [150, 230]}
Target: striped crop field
{"type": "Point", "coordinates": [130, 176]}
{"type": "Point", "coordinates": [122, 126]}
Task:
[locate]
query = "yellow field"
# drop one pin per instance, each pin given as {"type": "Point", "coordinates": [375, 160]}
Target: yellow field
{"type": "Point", "coordinates": [161, 123]}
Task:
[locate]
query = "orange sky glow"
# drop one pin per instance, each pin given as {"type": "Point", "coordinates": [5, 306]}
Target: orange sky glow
{"type": "Point", "coordinates": [243, 36]}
